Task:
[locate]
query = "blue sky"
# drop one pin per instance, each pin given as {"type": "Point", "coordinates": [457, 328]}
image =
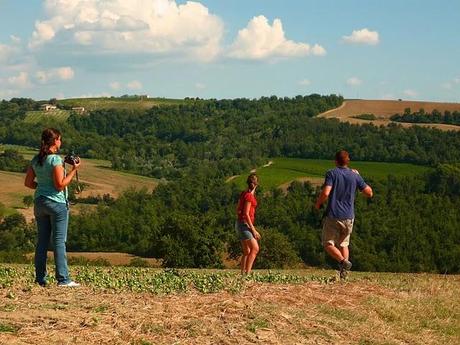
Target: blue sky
{"type": "Point", "coordinates": [225, 49]}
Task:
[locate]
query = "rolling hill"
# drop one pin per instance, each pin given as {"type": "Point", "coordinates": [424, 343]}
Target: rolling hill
{"type": "Point", "coordinates": [98, 177]}
{"type": "Point", "coordinates": [384, 109]}
{"type": "Point", "coordinates": [280, 172]}
{"type": "Point", "coordinates": [117, 102]}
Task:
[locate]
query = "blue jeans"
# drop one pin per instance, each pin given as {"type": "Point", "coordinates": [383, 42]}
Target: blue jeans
{"type": "Point", "coordinates": [52, 218]}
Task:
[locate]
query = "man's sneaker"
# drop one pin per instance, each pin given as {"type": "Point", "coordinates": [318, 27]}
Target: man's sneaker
{"type": "Point", "coordinates": [346, 264]}
{"type": "Point", "coordinates": [344, 267]}
{"type": "Point", "coordinates": [343, 274]}
{"type": "Point", "coordinates": [69, 284]}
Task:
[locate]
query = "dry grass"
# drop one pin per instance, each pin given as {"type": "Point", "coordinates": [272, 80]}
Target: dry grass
{"type": "Point", "coordinates": [384, 109]}
{"type": "Point", "coordinates": [101, 179]}
{"type": "Point", "coordinates": [371, 309]}
{"type": "Point", "coordinates": [113, 258]}
{"type": "Point", "coordinates": [95, 174]}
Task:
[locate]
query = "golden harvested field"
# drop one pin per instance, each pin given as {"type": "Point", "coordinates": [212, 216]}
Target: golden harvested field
{"type": "Point", "coordinates": [101, 179]}
{"type": "Point", "coordinates": [371, 308]}
{"type": "Point", "coordinates": [96, 174]}
{"type": "Point", "coordinates": [384, 109]}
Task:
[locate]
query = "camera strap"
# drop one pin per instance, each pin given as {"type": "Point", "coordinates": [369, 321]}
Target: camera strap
{"type": "Point", "coordinates": [78, 188]}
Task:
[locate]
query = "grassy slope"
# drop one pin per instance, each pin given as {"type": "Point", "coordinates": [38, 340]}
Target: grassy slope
{"type": "Point", "coordinates": [95, 173]}
{"type": "Point", "coordinates": [118, 103]}
{"type": "Point", "coordinates": [149, 306]}
{"type": "Point", "coordinates": [284, 170]}
{"type": "Point", "coordinates": [39, 116]}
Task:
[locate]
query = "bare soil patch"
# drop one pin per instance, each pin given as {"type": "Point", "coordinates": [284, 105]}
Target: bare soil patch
{"type": "Point", "coordinates": [384, 109]}
{"type": "Point", "coordinates": [114, 259]}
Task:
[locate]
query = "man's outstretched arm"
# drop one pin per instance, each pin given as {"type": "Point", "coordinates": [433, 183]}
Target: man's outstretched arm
{"type": "Point", "coordinates": [367, 192]}
{"type": "Point", "coordinates": [323, 196]}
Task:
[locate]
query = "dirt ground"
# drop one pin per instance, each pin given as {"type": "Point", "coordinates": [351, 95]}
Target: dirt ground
{"type": "Point", "coordinates": [384, 109]}
{"type": "Point", "coordinates": [310, 313]}
{"type": "Point", "coordinates": [114, 259]}
{"type": "Point", "coordinates": [263, 314]}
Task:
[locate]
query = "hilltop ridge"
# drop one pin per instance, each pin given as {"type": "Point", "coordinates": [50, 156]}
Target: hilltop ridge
{"type": "Point", "coordinates": [384, 109]}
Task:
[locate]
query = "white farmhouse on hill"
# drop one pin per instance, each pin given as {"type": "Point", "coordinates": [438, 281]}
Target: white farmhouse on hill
{"type": "Point", "coordinates": [48, 107]}
{"type": "Point", "coordinates": [79, 110]}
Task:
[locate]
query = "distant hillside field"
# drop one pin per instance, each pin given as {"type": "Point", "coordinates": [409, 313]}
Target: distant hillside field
{"type": "Point", "coordinates": [96, 174]}
{"type": "Point", "coordinates": [281, 171]}
{"type": "Point", "coordinates": [39, 116]}
{"type": "Point", "coordinates": [117, 102]}
{"type": "Point", "coordinates": [384, 109]}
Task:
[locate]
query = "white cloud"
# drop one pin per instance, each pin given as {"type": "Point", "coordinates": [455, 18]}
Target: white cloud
{"type": "Point", "coordinates": [449, 85]}
{"type": "Point", "coordinates": [7, 52]}
{"type": "Point", "coordinates": [44, 32]}
{"type": "Point", "coordinates": [15, 39]}
{"type": "Point", "coordinates": [54, 74]}
{"type": "Point", "coordinates": [134, 85]}
{"type": "Point", "coordinates": [200, 86]}
{"type": "Point", "coordinates": [363, 36]}
{"type": "Point", "coordinates": [353, 81]}
{"type": "Point", "coordinates": [304, 82]}
{"type": "Point", "coordinates": [20, 81]}
{"type": "Point", "coordinates": [260, 40]}
{"type": "Point", "coordinates": [115, 85]}
{"type": "Point", "coordinates": [65, 73]}
{"type": "Point", "coordinates": [83, 37]}
{"type": "Point", "coordinates": [116, 26]}
{"type": "Point", "coordinates": [410, 93]}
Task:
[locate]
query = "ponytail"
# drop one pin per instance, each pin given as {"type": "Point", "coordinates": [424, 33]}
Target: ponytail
{"type": "Point", "coordinates": [49, 137]}
{"type": "Point", "coordinates": [252, 181]}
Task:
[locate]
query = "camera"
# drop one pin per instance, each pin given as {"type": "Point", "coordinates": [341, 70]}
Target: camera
{"type": "Point", "coordinates": [72, 158]}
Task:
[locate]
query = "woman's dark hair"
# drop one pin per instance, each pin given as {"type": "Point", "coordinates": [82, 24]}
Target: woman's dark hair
{"type": "Point", "coordinates": [252, 181]}
{"type": "Point", "coordinates": [49, 137]}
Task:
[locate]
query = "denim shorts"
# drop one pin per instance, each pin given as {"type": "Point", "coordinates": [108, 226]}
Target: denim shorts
{"type": "Point", "coordinates": [243, 231]}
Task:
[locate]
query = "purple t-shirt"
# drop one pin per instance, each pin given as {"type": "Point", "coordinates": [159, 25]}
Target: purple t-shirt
{"type": "Point", "coordinates": [344, 183]}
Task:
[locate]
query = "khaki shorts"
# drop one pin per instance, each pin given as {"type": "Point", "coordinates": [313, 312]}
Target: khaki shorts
{"type": "Point", "coordinates": [337, 231]}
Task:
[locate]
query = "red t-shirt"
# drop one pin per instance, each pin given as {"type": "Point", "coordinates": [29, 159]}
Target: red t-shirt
{"type": "Point", "coordinates": [244, 197]}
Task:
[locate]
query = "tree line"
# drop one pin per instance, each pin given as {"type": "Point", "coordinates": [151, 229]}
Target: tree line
{"type": "Point", "coordinates": [410, 225]}
{"type": "Point", "coordinates": [448, 117]}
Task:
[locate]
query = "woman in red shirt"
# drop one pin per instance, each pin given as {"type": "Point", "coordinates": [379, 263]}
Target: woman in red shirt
{"type": "Point", "coordinates": [245, 224]}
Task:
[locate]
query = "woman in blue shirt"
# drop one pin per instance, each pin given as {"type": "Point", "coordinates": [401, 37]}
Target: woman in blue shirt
{"type": "Point", "coordinates": [46, 174]}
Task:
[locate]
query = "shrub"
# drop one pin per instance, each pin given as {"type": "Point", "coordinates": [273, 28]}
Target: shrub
{"type": "Point", "coordinates": [138, 262]}
{"type": "Point", "coordinates": [275, 251]}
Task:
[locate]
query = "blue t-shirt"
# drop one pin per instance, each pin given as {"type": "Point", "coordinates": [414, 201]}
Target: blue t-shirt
{"type": "Point", "coordinates": [344, 183]}
{"type": "Point", "coordinates": [44, 177]}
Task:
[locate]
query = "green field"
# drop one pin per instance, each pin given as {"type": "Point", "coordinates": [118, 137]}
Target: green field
{"type": "Point", "coordinates": [27, 152]}
{"type": "Point", "coordinates": [284, 170]}
{"type": "Point", "coordinates": [58, 115]}
{"type": "Point", "coordinates": [117, 102]}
